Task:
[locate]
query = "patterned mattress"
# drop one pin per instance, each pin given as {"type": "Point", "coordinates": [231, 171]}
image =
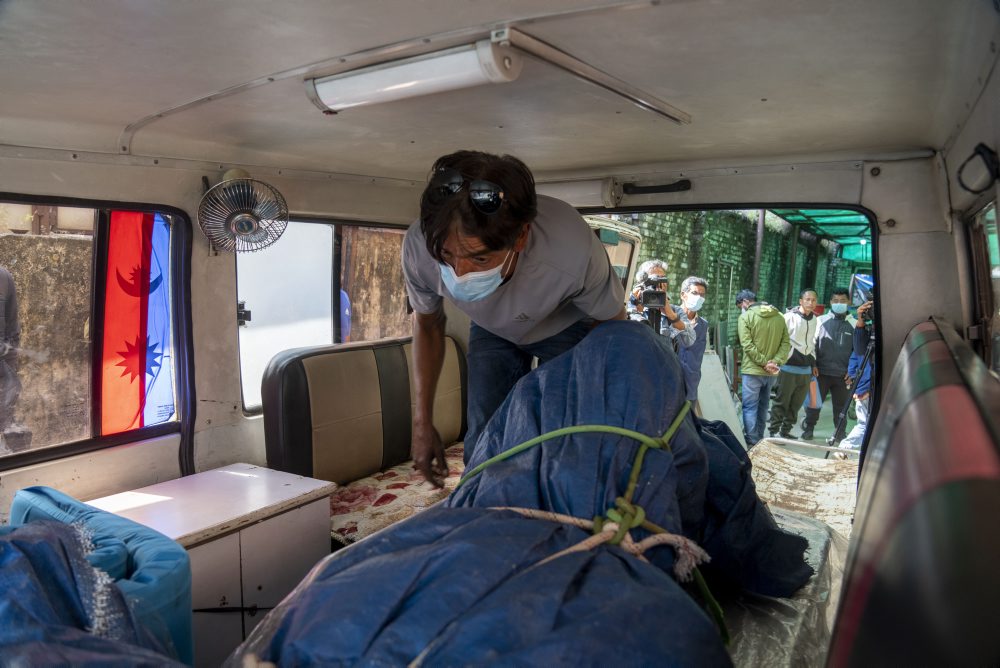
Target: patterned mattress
{"type": "Point", "coordinates": [369, 504]}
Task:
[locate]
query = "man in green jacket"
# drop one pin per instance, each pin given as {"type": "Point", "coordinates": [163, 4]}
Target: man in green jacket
{"type": "Point", "coordinates": [766, 346]}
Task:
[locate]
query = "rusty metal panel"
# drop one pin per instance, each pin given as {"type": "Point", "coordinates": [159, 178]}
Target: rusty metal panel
{"type": "Point", "coordinates": [372, 276]}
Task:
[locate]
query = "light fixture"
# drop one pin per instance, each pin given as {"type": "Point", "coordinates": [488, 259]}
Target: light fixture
{"type": "Point", "coordinates": [459, 67]}
{"type": "Point", "coordinates": [593, 192]}
{"type": "Point", "coordinates": [494, 60]}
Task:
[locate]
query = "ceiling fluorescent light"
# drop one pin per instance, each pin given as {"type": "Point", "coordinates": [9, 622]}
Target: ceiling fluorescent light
{"type": "Point", "coordinates": [460, 67]}
{"type": "Point", "coordinates": [594, 192]}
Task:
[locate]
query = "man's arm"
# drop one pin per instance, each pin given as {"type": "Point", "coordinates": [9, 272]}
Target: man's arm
{"type": "Point", "coordinates": [428, 357]}
{"type": "Point", "coordinates": [784, 349]}
{"type": "Point", "coordinates": [750, 349]}
{"type": "Point", "coordinates": [685, 334]}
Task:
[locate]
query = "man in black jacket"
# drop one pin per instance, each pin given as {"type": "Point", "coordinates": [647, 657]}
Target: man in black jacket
{"type": "Point", "coordinates": [833, 352]}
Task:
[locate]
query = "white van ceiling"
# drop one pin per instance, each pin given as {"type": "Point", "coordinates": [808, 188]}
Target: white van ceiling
{"type": "Point", "coordinates": [757, 77]}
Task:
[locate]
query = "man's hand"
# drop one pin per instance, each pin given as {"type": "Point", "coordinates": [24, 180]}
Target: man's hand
{"type": "Point", "coordinates": [847, 380]}
{"type": "Point", "coordinates": [428, 454]}
{"type": "Point", "coordinates": [815, 372]}
{"type": "Point", "coordinates": [772, 368]}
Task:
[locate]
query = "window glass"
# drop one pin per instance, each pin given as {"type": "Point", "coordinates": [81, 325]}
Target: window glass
{"type": "Point", "coordinates": [49, 341]}
{"type": "Point", "coordinates": [372, 277]}
{"type": "Point", "coordinates": [45, 298]}
{"type": "Point", "coordinates": [293, 288]}
{"type": "Point", "coordinates": [987, 218]}
{"type": "Point", "coordinates": [287, 289]}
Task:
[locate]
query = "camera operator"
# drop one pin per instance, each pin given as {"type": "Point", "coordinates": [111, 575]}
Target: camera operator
{"type": "Point", "coordinates": [648, 301]}
{"type": "Point", "coordinates": [860, 370]}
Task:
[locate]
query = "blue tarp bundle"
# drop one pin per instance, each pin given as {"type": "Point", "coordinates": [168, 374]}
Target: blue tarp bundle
{"type": "Point", "coordinates": [462, 584]}
{"type": "Point", "coordinates": [57, 609]}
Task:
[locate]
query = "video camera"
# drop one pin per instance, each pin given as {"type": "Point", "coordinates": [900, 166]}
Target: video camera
{"type": "Point", "coordinates": [652, 296]}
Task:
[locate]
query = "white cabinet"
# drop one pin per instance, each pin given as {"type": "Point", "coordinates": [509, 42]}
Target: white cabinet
{"type": "Point", "coordinates": [252, 534]}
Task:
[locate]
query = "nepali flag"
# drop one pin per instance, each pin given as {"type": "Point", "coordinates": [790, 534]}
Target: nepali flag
{"type": "Point", "coordinates": [137, 385]}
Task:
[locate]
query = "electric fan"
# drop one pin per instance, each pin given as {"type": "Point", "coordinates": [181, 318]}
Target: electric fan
{"type": "Point", "coordinates": [242, 214]}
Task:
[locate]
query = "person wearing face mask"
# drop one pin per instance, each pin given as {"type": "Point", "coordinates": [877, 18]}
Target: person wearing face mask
{"type": "Point", "coordinates": [671, 323]}
{"type": "Point", "coordinates": [834, 344]}
{"type": "Point", "coordinates": [692, 340]}
{"type": "Point", "coordinates": [797, 372]}
{"type": "Point", "coordinates": [765, 345]}
{"type": "Point", "coordinates": [526, 269]}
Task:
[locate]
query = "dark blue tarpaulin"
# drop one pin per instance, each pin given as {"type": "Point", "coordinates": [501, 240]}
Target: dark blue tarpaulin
{"type": "Point", "coordinates": [56, 609]}
{"type": "Point", "coordinates": [462, 583]}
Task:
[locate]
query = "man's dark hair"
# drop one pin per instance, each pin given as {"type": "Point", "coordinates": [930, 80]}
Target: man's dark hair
{"type": "Point", "coordinates": [440, 215]}
{"type": "Point", "coordinates": [843, 292]}
{"type": "Point", "coordinates": [745, 295]}
{"type": "Point", "coordinates": [802, 295]}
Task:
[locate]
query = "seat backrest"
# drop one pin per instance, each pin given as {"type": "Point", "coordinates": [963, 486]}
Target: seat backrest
{"type": "Point", "coordinates": [921, 585]}
{"type": "Point", "coordinates": [343, 412]}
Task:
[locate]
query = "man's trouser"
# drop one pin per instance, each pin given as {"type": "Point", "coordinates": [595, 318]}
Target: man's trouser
{"type": "Point", "coordinates": [841, 398]}
{"type": "Point", "coordinates": [857, 435]}
{"type": "Point", "coordinates": [756, 395]}
{"type": "Point", "coordinates": [495, 365]}
{"type": "Point", "coordinates": [792, 390]}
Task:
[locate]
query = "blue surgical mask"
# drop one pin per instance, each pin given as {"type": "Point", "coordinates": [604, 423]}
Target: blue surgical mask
{"type": "Point", "coordinates": [693, 302]}
{"type": "Point", "coordinates": [475, 285]}
{"type": "Point", "coordinates": [839, 309]}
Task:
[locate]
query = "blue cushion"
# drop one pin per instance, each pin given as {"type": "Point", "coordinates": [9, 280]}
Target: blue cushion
{"type": "Point", "coordinates": [155, 579]}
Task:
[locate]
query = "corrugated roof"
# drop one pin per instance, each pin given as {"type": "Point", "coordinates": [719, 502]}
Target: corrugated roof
{"type": "Point", "coordinates": [850, 229]}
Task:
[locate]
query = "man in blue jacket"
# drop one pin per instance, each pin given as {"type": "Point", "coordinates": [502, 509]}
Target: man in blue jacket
{"type": "Point", "coordinates": [863, 382]}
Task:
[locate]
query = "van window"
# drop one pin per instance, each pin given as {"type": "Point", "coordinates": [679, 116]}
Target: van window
{"type": "Point", "coordinates": [290, 291]}
{"type": "Point", "coordinates": [986, 263]}
{"type": "Point", "coordinates": [86, 328]}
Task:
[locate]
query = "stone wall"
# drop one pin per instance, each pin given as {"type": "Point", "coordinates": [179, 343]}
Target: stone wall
{"type": "Point", "coordinates": [52, 274]}
{"type": "Point", "coordinates": [719, 246]}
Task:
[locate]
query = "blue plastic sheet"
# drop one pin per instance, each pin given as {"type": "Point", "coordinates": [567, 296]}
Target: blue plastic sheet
{"type": "Point", "coordinates": [57, 609]}
{"type": "Point", "coordinates": [152, 571]}
{"type": "Point", "coordinates": [462, 583]}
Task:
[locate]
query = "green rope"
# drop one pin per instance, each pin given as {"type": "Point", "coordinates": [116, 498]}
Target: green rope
{"type": "Point", "coordinates": [565, 431]}
{"type": "Point", "coordinates": [625, 514]}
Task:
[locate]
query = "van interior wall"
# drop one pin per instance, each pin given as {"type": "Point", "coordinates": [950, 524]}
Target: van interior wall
{"type": "Point", "coordinates": [912, 192]}
{"type": "Point", "coordinates": [223, 434]}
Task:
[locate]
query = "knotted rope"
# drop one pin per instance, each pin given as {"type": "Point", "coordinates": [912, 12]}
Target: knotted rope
{"type": "Point", "coordinates": [613, 528]}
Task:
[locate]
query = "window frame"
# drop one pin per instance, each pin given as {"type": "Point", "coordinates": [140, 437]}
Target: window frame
{"type": "Point", "coordinates": [873, 231]}
{"type": "Point", "coordinates": [181, 232]}
{"type": "Point", "coordinates": [335, 223]}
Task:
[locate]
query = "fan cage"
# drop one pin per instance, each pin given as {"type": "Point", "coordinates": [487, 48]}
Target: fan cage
{"type": "Point", "coordinates": [228, 209]}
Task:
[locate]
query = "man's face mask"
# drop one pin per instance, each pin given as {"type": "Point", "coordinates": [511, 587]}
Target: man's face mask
{"type": "Point", "coordinates": [839, 309]}
{"type": "Point", "coordinates": [474, 285]}
{"type": "Point", "coordinates": [693, 301]}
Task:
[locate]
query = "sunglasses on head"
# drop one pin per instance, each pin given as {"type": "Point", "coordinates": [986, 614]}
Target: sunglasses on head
{"type": "Point", "coordinates": [486, 196]}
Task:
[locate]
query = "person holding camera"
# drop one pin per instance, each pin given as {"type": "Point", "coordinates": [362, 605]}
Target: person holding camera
{"type": "Point", "coordinates": [648, 303]}
{"type": "Point", "coordinates": [526, 269]}
{"type": "Point", "coordinates": [860, 370]}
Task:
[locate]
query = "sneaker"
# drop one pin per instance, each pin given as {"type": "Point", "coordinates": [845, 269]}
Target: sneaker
{"type": "Point", "coordinates": [807, 435]}
{"type": "Point", "coordinates": [839, 455]}
{"type": "Point", "coordinates": [786, 434]}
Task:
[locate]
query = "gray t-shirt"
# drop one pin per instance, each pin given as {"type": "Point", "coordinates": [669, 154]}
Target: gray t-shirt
{"type": "Point", "coordinates": [562, 276]}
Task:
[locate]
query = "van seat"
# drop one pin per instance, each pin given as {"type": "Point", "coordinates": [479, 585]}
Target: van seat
{"type": "Point", "coordinates": [343, 413]}
{"type": "Point", "coordinates": [921, 586]}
